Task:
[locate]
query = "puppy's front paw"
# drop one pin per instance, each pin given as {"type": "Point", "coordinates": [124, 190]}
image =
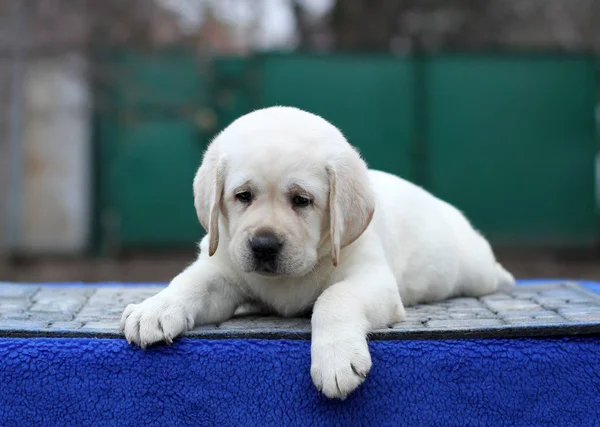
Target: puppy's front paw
{"type": "Point", "coordinates": [157, 319]}
{"type": "Point", "coordinates": [339, 365]}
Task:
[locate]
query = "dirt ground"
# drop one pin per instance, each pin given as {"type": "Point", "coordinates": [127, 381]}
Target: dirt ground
{"type": "Point", "coordinates": [162, 266]}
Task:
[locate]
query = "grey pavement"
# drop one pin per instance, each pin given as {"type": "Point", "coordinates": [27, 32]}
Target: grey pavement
{"type": "Point", "coordinates": [47, 310]}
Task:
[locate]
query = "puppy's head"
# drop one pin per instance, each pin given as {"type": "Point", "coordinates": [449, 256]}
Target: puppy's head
{"type": "Point", "coordinates": [286, 187]}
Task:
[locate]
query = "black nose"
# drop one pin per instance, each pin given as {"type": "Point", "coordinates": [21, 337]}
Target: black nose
{"type": "Point", "coordinates": [265, 248]}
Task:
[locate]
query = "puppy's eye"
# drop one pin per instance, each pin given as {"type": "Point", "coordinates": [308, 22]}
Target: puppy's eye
{"type": "Point", "coordinates": [301, 201]}
{"type": "Point", "coordinates": [244, 197]}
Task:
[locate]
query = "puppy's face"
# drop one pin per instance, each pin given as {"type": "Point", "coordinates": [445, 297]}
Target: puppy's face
{"type": "Point", "coordinates": [276, 216]}
{"type": "Point", "coordinates": [286, 187]}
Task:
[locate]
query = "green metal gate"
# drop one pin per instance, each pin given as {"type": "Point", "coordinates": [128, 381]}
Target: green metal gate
{"type": "Point", "coordinates": [150, 147]}
{"type": "Point", "coordinates": [511, 142]}
{"type": "Point", "coordinates": [509, 139]}
{"type": "Point", "coordinates": [370, 98]}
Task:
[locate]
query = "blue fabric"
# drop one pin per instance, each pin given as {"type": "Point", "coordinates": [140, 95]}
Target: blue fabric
{"type": "Point", "coordinates": [87, 381]}
{"type": "Point", "coordinates": [90, 381]}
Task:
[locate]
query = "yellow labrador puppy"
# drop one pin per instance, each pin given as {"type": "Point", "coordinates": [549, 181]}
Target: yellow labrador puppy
{"type": "Point", "coordinates": [296, 221]}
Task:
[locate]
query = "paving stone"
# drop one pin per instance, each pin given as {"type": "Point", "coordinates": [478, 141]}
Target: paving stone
{"type": "Point", "coordinates": [557, 293]}
{"type": "Point", "coordinates": [86, 319]}
{"type": "Point", "coordinates": [552, 303]}
{"type": "Point", "coordinates": [586, 314]}
{"type": "Point", "coordinates": [579, 310]}
{"type": "Point", "coordinates": [66, 305]}
{"type": "Point", "coordinates": [550, 320]}
{"type": "Point", "coordinates": [15, 315]}
{"type": "Point", "coordinates": [99, 313]}
{"type": "Point", "coordinates": [512, 304]}
{"type": "Point", "coordinates": [199, 330]}
{"type": "Point", "coordinates": [473, 311]}
{"type": "Point", "coordinates": [27, 325]}
{"type": "Point", "coordinates": [99, 309]}
{"type": "Point", "coordinates": [14, 304]}
{"type": "Point", "coordinates": [415, 317]}
{"type": "Point", "coordinates": [57, 293]}
{"type": "Point", "coordinates": [49, 316]}
{"type": "Point", "coordinates": [521, 294]}
{"type": "Point", "coordinates": [584, 317]}
{"type": "Point", "coordinates": [550, 314]}
{"type": "Point", "coordinates": [424, 313]}
{"type": "Point", "coordinates": [485, 315]}
{"type": "Point", "coordinates": [497, 297]}
{"type": "Point", "coordinates": [408, 326]}
{"type": "Point", "coordinates": [101, 326]}
{"type": "Point", "coordinates": [467, 315]}
{"type": "Point", "coordinates": [263, 322]}
{"type": "Point", "coordinates": [116, 290]}
{"type": "Point", "coordinates": [16, 291]}
{"type": "Point", "coordinates": [114, 313]}
{"type": "Point", "coordinates": [65, 326]}
{"type": "Point", "coordinates": [465, 302]}
{"type": "Point", "coordinates": [525, 313]}
{"type": "Point", "coordinates": [437, 317]}
{"type": "Point", "coordinates": [463, 324]}
{"type": "Point", "coordinates": [136, 297]}
{"type": "Point", "coordinates": [575, 302]}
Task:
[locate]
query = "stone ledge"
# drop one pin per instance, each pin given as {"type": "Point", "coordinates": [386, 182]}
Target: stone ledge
{"type": "Point", "coordinates": [28, 310]}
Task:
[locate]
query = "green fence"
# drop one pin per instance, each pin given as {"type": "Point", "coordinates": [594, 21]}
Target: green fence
{"type": "Point", "coordinates": [509, 139]}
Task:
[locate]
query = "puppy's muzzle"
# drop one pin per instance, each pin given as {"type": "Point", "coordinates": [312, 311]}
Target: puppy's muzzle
{"type": "Point", "coordinates": [265, 249]}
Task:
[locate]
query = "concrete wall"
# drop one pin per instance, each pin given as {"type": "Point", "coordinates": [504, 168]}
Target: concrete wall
{"type": "Point", "coordinates": [5, 80]}
{"type": "Point", "coordinates": [56, 190]}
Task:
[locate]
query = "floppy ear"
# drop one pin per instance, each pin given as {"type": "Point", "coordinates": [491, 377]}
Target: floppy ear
{"type": "Point", "coordinates": [351, 202]}
{"type": "Point", "coordinates": [208, 194]}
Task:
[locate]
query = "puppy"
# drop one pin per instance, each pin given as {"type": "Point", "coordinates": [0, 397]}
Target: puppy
{"type": "Point", "coordinates": [296, 221]}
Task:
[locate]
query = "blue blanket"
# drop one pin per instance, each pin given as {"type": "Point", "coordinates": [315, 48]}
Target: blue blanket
{"type": "Point", "coordinates": [85, 381]}
{"type": "Point", "coordinates": [198, 382]}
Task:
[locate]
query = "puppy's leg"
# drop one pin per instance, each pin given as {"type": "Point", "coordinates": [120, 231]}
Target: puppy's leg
{"type": "Point", "coordinates": [200, 294]}
{"type": "Point", "coordinates": [343, 315]}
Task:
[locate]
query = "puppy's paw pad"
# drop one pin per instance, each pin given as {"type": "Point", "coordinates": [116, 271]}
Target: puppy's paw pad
{"type": "Point", "coordinates": [339, 367]}
{"type": "Point", "coordinates": [154, 320]}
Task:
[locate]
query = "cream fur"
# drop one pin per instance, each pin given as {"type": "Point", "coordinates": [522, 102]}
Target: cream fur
{"type": "Point", "coordinates": [369, 244]}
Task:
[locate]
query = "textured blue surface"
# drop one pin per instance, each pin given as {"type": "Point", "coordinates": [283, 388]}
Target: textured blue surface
{"type": "Point", "coordinates": [47, 382]}
{"type": "Point", "coordinates": [91, 381]}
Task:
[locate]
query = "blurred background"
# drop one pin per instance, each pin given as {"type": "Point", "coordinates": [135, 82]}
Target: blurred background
{"type": "Point", "coordinates": [107, 106]}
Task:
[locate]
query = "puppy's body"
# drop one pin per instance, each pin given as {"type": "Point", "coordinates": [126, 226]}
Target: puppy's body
{"type": "Point", "coordinates": [429, 246]}
{"type": "Point", "coordinates": [296, 221]}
